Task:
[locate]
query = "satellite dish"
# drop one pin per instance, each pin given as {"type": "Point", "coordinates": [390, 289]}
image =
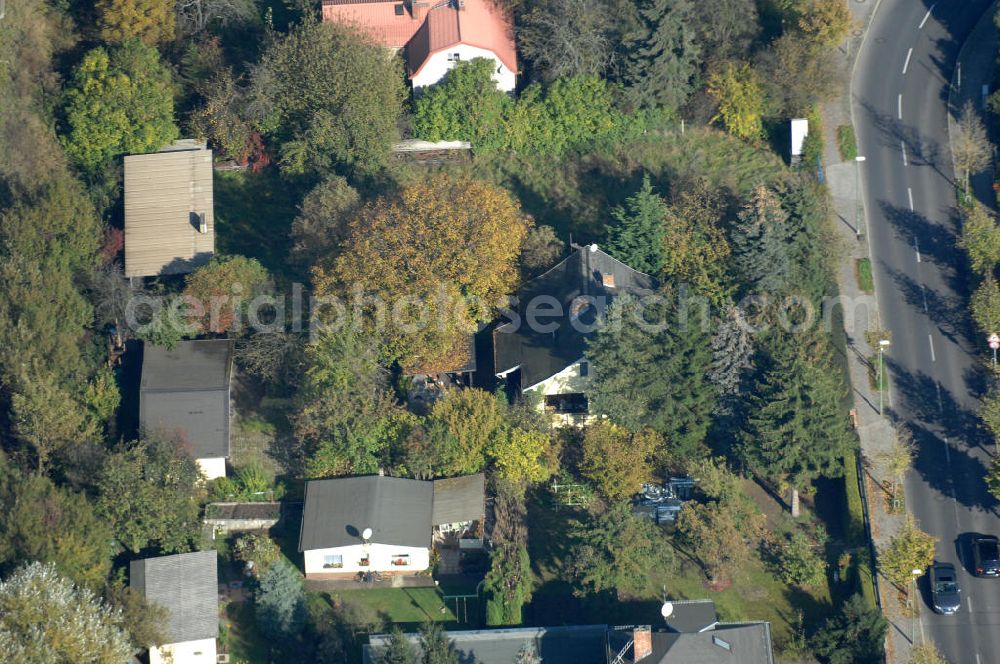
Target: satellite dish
{"type": "Point", "coordinates": [366, 534]}
{"type": "Point", "coordinates": [667, 610]}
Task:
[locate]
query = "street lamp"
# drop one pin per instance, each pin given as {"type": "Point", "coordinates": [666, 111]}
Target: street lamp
{"type": "Point", "coordinates": [882, 345]}
{"type": "Point", "coordinates": [913, 605]}
{"type": "Point", "coordinates": [857, 195]}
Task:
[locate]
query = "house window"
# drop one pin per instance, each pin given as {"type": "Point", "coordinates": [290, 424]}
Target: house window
{"type": "Point", "coordinates": [566, 403]}
{"type": "Point", "coordinates": [333, 561]}
{"type": "Point", "coordinates": [364, 562]}
{"type": "Point", "coordinates": [399, 10]}
{"type": "Point", "coordinates": [584, 369]}
{"type": "Point", "coordinates": [454, 57]}
{"type": "Point", "coordinates": [401, 559]}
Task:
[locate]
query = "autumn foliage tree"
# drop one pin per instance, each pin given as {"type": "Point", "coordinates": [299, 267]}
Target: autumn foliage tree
{"type": "Point", "coordinates": [738, 91]}
{"type": "Point", "coordinates": [617, 461]}
{"type": "Point", "coordinates": [151, 21]}
{"type": "Point", "coordinates": [439, 258]}
{"type": "Point", "coordinates": [218, 293]}
{"type": "Point", "coordinates": [909, 549]}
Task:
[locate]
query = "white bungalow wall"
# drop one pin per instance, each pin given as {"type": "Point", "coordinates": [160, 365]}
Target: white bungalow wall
{"type": "Point", "coordinates": [440, 63]}
{"type": "Point", "coordinates": [380, 557]}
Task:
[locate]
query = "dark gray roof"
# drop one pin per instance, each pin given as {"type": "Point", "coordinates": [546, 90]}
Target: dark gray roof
{"type": "Point", "coordinates": [186, 585]}
{"type": "Point", "coordinates": [737, 643]}
{"type": "Point", "coordinates": [583, 644]}
{"type": "Point", "coordinates": [459, 499]}
{"type": "Point", "coordinates": [338, 510]}
{"type": "Point", "coordinates": [184, 392]}
{"type": "Point", "coordinates": [691, 615]}
{"type": "Point", "coordinates": [542, 353]}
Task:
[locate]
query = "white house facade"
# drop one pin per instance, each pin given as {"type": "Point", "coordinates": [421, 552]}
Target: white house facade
{"type": "Point", "coordinates": [564, 395]}
{"type": "Point", "coordinates": [212, 467]}
{"type": "Point", "coordinates": [441, 62]}
{"type": "Point", "coordinates": [201, 651]}
{"type": "Point", "coordinates": [385, 558]}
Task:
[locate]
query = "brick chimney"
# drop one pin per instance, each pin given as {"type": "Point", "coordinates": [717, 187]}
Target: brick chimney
{"type": "Point", "coordinates": [642, 643]}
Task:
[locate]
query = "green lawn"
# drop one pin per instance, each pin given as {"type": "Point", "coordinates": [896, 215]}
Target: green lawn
{"type": "Point", "coordinates": [864, 272]}
{"type": "Point", "coordinates": [847, 143]}
{"type": "Point", "coordinates": [398, 605]}
{"type": "Point", "coordinates": [245, 643]}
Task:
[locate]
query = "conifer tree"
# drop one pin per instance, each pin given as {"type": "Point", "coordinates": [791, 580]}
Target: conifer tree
{"type": "Point", "coordinates": [797, 431]}
{"type": "Point", "coordinates": [760, 243]}
{"type": "Point", "coordinates": [636, 238]}
{"type": "Point", "coordinates": [665, 55]}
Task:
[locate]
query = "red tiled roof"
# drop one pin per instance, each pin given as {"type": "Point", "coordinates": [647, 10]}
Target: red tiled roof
{"type": "Point", "coordinates": [432, 28]}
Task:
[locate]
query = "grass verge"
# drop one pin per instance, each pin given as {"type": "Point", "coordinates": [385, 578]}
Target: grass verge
{"type": "Point", "coordinates": [847, 143]}
{"type": "Point", "coordinates": [863, 267]}
{"type": "Point", "coordinates": [399, 605]}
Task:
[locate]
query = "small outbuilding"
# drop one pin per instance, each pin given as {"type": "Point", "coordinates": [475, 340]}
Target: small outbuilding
{"type": "Point", "coordinates": [169, 218]}
{"type": "Point", "coordinates": [186, 585]}
{"type": "Point", "coordinates": [185, 394]}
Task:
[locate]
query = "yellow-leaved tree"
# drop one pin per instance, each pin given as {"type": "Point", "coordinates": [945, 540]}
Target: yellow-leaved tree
{"type": "Point", "coordinates": [430, 263]}
{"type": "Point", "coordinates": [738, 91]}
{"type": "Point", "coordinates": [151, 21]}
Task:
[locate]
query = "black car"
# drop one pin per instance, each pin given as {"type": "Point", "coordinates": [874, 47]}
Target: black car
{"type": "Point", "coordinates": [986, 556]}
{"type": "Point", "coordinates": [946, 596]}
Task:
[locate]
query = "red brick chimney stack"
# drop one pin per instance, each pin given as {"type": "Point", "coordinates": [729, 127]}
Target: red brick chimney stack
{"type": "Point", "coordinates": [642, 643]}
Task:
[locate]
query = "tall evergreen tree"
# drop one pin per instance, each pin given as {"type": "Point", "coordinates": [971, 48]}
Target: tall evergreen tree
{"type": "Point", "coordinates": [761, 244]}
{"type": "Point", "coordinates": [732, 357]}
{"type": "Point", "coordinates": [436, 645]}
{"type": "Point", "coordinates": [636, 238]}
{"type": "Point", "coordinates": [398, 651]}
{"type": "Point", "coordinates": [664, 56]}
{"type": "Point", "coordinates": [797, 431]}
{"type": "Point", "coordinates": [854, 636]}
{"type": "Point", "coordinates": [280, 609]}
{"type": "Point", "coordinates": [657, 378]}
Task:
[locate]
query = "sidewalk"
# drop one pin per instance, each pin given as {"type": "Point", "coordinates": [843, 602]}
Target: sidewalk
{"type": "Point", "coordinates": [875, 432]}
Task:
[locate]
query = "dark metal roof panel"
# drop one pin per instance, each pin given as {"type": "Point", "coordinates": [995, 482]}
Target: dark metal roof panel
{"type": "Point", "coordinates": [459, 499]}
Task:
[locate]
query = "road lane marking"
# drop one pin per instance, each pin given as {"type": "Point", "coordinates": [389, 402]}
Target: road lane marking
{"type": "Point", "coordinates": [926, 16]}
{"type": "Point", "coordinates": [907, 63]}
{"type": "Point", "coordinates": [923, 293]}
{"type": "Point", "coordinates": [899, 105]}
{"type": "Point", "coordinates": [947, 452]}
{"type": "Point", "coordinates": [931, 340]}
{"type": "Point", "coordinates": [902, 146]}
{"type": "Point", "coordinates": [916, 248]}
{"type": "Point", "coordinates": [978, 661]}
{"type": "Point", "coordinates": [937, 386]}
{"type": "Point", "coordinates": [909, 192]}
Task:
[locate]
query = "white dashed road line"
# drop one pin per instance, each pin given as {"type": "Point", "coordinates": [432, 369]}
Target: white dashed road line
{"type": "Point", "coordinates": [907, 63]}
{"type": "Point", "coordinates": [902, 146]}
{"type": "Point", "coordinates": [909, 193]}
{"type": "Point", "coordinates": [926, 16]}
{"type": "Point", "coordinates": [931, 340]}
{"type": "Point", "coordinates": [899, 106]}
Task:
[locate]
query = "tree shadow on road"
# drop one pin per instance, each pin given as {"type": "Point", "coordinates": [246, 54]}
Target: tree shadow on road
{"type": "Point", "coordinates": [948, 312]}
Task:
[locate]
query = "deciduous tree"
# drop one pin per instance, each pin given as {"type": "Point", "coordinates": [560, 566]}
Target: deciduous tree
{"type": "Point", "coordinates": [926, 653]}
{"type": "Point", "coordinates": [45, 618]}
{"type": "Point", "coordinates": [981, 240]}
{"type": "Point", "coordinates": [439, 256]}
{"type": "Point", "coordinates": [542, 249]}
{"type": "Point", "coordinates": [464, 105]}
{"type": "Point", "coordinates": [52, 525]}
{"type": "Point", "coordinates": [713, 534]}
{"type": "Point", "coordinates": [220, 292]}
{"type": "Point", "coordinates": [151, 21]}
{"type": "Point", "coordinates": [616, 551]}
{"type": "Point", "coordinates": [826, 22]}
{"type": "Point", "coordinates": [694, 248]}
{"type": "Point", "coordinates": [616, 461]}
{"type": "Point", "coordinates": [522, 456]}
{"type": "Point", "coordinates": [737, 89]}
{"type": "Point", "coordinates": [330, 98]}
{"type": "Point", "coordinates": [985, 305]}
{"type": "Point", "coordinates": [470, 422]}
{"type": "Point", "coordinates": [149, 492]}
{"type": "Point", "coordinates": [909, 549]}
{"type": "Point", "coordinates": [970, 146]}
{"type": "Point", "coordinates": [321, 224]}
{"type": "Point", "coordinates": [567, 37]}
{"type": "Point", "coordinates": [118, 103]}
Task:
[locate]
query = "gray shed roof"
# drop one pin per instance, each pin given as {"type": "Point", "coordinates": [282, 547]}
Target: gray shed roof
{"type": "Point", "coordinates": [338, 510]}
{"type": "Point", "coordinates": [186, 585]}
{"type": "Point", "coordinates": [692, 615]}
{"type": "Point", "coordinates": [584, 644]}
{"type": "Point", "coordinates": [164, 194]}
{"type": "Point", "coordinates": [542, 353]}
{"type": "Point", "coordinates": [184, 392]}
{"type": "Point", "coordinates": [459, 499]}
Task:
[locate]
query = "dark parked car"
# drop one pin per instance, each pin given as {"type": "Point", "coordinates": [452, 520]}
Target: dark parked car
{"type": "Point", "coordinates": [986, 556]}
{"type": "Point", "coordinates": [946, 596]}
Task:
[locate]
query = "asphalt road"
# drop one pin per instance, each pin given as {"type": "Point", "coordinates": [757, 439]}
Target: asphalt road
{"type": "Point", "coordinates": [900, 89]}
